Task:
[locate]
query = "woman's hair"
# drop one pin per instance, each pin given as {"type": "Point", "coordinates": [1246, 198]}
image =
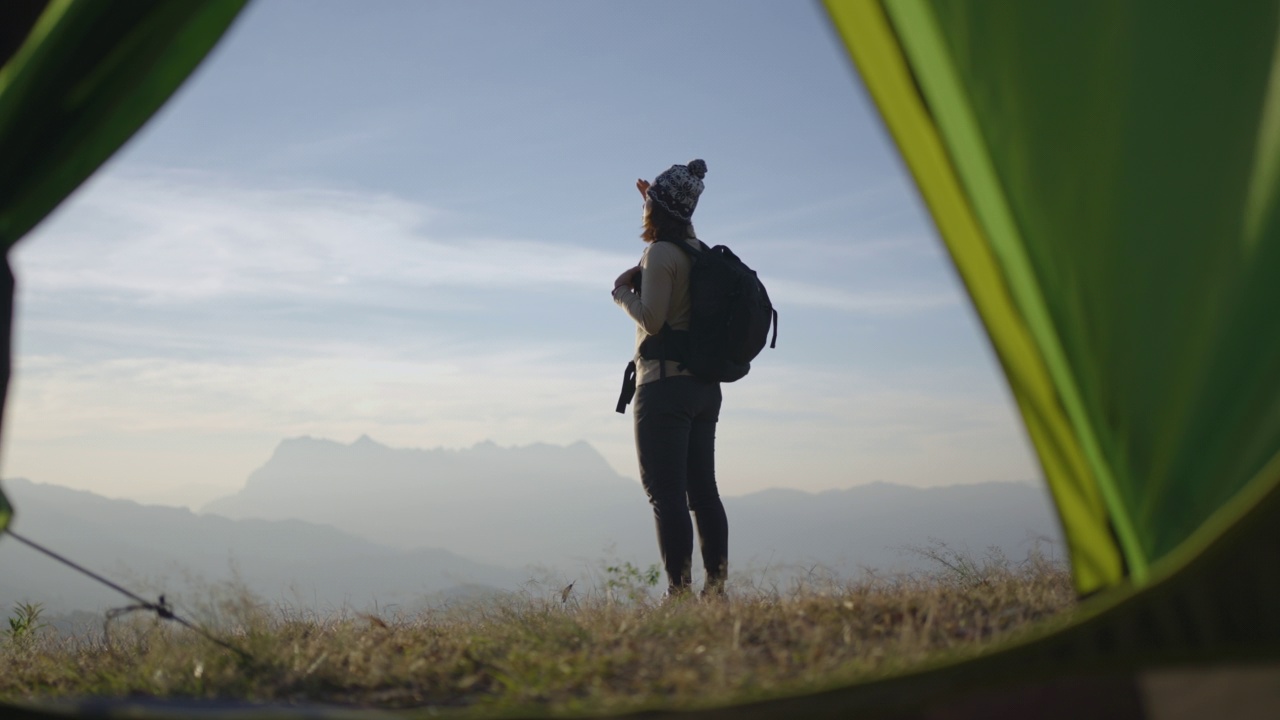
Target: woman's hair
{"type": "Point", "coordinates": [659, 224]}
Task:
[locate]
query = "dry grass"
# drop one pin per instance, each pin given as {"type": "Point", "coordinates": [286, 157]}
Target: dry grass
{"type": "Point", "coordinates": [607, 648]}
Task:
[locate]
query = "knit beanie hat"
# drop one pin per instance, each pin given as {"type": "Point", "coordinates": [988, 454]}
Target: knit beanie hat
{"type": "Point", "coordinates": [677, 189]}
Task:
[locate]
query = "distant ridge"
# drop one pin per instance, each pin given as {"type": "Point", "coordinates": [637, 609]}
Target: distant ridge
{"type": "Point", "coordinates": [511, 506]}
{"type": "Point", "coordinates": [564, 506]}
{"type": "Point", "coordinates": [155, 549]}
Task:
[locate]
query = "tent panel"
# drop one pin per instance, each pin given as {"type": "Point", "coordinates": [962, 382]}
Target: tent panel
{"type": "Point", "coordinates": [1129, 142]}
{"type": "Point", "coordinates": [88, 76]}
{"type": "Point", "coordinates": [922, 40]}
{"type": "Point", "coordinates": [6, 511]}
{"type": "Point", "coordinates": [1123, 194]}
{"type": "Point", "coordinates": [873, 44]}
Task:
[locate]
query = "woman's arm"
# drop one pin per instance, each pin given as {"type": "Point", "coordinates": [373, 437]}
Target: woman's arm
{"type": "Point", "coordinates": [627, 278]}
{"type": "Point", "coordinates": [649, 308]}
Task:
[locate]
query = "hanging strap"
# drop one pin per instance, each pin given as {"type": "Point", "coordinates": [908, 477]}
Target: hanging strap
{"type": "Point", "coordinates": [774, 343]}
{"type": "Point", "coordinates": [628, 387]}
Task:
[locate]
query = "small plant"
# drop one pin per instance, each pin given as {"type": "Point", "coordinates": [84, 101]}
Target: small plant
{"type": "Point", "coordinates": [25, 621]}
{"type": "Point", "coordinates": [960, 566]}
{"type": "Point", "coordinates": [630, 581]}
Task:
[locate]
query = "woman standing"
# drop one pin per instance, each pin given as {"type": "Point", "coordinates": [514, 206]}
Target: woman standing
{"type": "Point", "coordinates": [675, 413]}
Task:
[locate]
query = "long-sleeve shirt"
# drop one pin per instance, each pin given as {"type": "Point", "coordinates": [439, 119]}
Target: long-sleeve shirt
{"type": "Point", "coordinates": [663, 299]}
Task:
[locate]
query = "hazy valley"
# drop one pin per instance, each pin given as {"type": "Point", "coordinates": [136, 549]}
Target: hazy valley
{"type": "Point", "coordinates": [324, 524]}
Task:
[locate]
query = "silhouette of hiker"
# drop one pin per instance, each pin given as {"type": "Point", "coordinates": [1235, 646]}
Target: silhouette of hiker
{"type": "Point", "coordinates": [675, 413]}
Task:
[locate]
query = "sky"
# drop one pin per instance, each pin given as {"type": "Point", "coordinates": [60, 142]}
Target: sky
{"type": "Point", "coordinates": [403, 219]}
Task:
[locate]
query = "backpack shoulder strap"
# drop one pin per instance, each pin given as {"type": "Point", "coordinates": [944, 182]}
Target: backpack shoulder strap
{"type": "Point", "coordinates": [688, 250]}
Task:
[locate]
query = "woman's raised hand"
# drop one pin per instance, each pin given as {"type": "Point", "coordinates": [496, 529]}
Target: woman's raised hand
{"type": "Point", "coordinates": [627, 277]}
{"type": "Point", "coordinates": [643, 186]}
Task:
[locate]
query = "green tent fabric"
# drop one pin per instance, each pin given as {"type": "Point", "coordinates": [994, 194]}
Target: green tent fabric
{"type": "Point", "coordinates": [6, 512]}
{"type": "Point", "coordinates": [1106, 177]}
{"type": "Point", "coordinates": [1111, 203]}
{"type": "Point", "coordinates": [87, 77]}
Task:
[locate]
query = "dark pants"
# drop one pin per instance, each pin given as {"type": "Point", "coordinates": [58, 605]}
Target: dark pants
{"type": "Point", "coordinates": [676, 442]}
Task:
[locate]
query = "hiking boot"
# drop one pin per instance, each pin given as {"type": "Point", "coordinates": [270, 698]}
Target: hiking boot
{"type": "Point", "coordinates": [713, 591]}
{"type": "Point", "coordinates": [675, 595]}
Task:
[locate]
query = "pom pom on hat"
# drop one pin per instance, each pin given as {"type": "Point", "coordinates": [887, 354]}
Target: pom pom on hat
{"type": "Point", "coordinates": [677, 189]}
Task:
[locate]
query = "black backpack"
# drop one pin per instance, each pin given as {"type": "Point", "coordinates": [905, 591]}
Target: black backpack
{"type": "Point", "coordinates": [729, 326]}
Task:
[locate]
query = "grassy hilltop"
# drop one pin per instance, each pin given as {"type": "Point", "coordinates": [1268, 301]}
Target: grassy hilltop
{"type": "Point", "coordinates": [607, 647]}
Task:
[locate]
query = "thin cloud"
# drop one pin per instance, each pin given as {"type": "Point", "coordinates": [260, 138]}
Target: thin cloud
{"type": "Point", "coordinates": [179, 237]}
{"type": "Point", "coordinates": [165, 237]}
{"type": "Point", "coordinates": [785, 292]}
{"type": "Point", "coordinates": [873, 206]}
